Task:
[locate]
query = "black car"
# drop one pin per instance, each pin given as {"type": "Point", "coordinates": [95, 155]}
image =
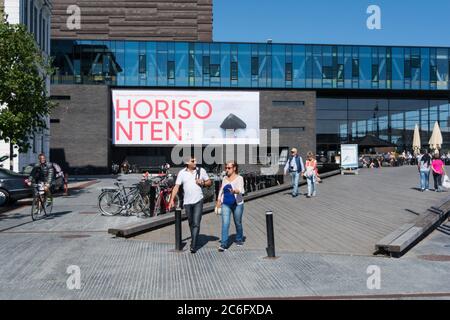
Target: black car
{"type": "Point", "coordinates": [13, 187]}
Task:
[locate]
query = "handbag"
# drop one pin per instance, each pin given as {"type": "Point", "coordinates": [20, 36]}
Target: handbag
{"type": "Point", "coordinates": [446, 182]}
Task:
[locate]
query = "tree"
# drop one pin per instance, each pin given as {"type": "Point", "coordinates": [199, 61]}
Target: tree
{"type": "Point", "coordinates": [24, 101]}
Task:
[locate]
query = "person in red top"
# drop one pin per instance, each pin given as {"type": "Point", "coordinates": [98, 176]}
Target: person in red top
{"type": "Point", "coordinates": [311, 174]}
{"type": "Point", "coordinates": [437, 165]}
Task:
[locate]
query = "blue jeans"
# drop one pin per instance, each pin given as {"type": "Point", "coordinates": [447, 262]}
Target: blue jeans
{"type": "Point", "coordinates": [237, 211]}
{"type": "Point", "coordinates": [194, 214]}
{"type": "Point", "coordinates": [294, 181]}
{"type": "Point", "coordinates": [424, 179]}
{"type": "Point", "coordinates": [312, 189]}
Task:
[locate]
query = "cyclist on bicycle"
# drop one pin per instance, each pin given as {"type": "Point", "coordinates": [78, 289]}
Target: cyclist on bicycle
{"type": "Point", "coordinates": [42, 172]}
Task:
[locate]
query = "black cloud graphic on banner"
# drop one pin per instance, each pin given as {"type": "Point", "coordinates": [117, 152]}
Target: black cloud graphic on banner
{"type": "Point", "coordinates": [233, 122]}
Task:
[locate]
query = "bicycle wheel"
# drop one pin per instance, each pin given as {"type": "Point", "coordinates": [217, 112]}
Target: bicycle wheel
{"type": "Point", "coordinates": [156, 206]}
{"type": "Point", "coordinates": [109, 203]}
{"type": "Point", "coordinates": [37, 211]}
{"type": "Point", "coordinates": [139, 207]}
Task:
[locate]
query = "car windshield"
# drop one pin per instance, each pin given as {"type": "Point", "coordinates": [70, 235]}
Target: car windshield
{"type": "Point", "coordinates": [27, 170]}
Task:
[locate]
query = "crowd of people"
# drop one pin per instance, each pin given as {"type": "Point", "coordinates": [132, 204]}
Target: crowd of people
{"type": "Point", "coordinates": [394, 159]}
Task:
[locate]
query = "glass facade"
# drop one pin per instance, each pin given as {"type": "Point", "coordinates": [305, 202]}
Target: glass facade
{"type": "Point", "coordinates": [344, 120]}
{"type": "Point", "coordinates": [249, 65]}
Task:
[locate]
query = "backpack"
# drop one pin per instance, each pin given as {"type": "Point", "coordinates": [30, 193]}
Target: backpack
{"type": "Point", "coordinates": [58, 170]}
{"type": "Point", "coordinates": [228, 197]}
{"type": "Point", "coordinates": [424, 165]}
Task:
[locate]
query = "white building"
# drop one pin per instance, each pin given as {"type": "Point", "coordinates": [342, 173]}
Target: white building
{"type": "Point", "coordinates": [36, 15]}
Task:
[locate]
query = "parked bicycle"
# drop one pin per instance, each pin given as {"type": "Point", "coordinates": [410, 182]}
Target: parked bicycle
{"type": "Point", "coordinates": [122, 200]}
{"type": "Point", "coordinates": [42, 204]}
{"type": "Point", "coordinates": [163, 186]}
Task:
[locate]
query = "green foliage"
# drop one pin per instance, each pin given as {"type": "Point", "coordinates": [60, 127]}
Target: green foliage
{"type": "Point", "coordinates": [24, 99]}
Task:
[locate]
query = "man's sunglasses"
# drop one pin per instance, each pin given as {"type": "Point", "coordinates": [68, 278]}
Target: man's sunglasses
{"type": "Point", "coordinates": [229, 168]}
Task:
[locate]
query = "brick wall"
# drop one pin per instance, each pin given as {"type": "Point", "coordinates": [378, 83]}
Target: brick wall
{"type": "Point", "coordinates": [80, 136]}
{"type": "Point", "coordinates": [179, 20]}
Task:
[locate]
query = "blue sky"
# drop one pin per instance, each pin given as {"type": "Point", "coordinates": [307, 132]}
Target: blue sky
{"type": "Point", "coordinates": [413, 22]}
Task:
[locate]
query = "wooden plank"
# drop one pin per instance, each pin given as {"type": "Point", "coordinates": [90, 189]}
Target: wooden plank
{"type": "Point", "coordinates": [407, 238]}
{"type": "Point", "coordinates": [384, 243]}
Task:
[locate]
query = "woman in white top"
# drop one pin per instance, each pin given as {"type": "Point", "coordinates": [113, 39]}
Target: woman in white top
{"type": "Point", "coordinates": [232, 202]}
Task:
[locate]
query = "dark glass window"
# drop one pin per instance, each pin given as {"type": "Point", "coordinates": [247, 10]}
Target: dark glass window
{"type": "Point", "coordinates": [290, 129]}
{"type": "Point", "coordinates": [206, 65]}
{"type": "Point", "coordinates": [41, 30]}
{"type": "Point", "coordinates": [355, 68]}
{"type": "Point", "coordinates": [433, 74]}
{"type": "Point", "coordinates": [215, 70]}
{"type": "Point", "coordinates": [415, 61]}
{"type": "Point", "coordinates": [340, 72]}
{"type": "Point", "coordinates": [234, 71]}
{"type": "Point", "coordinates": [288, 71]}
{"type": "Point", "coordinates": [170, 69]}
{"type": "Point", "coordinates": [375, 72]}
{"type": "Point", "coordinates": [255, 66]}
{"type": "Point", "coordinates": [60, 97]}
{"type": "Point", "coordinates": [35, 26]}
{"type": "Point", "coordinates": [327, 72]}
{"type": "Point", "coordinates": [142, 63]}
{"type": "Point", "coordinates": [25, 13]}
{"type": "Point", "coordinates": [407, 68]}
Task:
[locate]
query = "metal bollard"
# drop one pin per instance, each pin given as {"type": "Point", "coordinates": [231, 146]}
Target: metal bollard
{"type": "Point", "coordinates": [178, 243]}
{"type": "Point", "coordinates": [270, 235]}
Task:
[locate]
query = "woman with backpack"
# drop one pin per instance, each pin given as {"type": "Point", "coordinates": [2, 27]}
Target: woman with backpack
{"type": "Point", "coordinates": [231, 202]}
{"type": "Point", "coordinates": [311, 174]}
{"type": "Point", "coordinates": [424, 165]}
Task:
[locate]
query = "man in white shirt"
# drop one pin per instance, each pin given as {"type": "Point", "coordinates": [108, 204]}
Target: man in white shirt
{"type": "Point", "coordinates": [193, 180]}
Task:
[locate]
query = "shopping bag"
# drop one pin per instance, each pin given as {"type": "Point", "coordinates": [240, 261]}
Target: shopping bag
{"type": "Point", "coordinates": [446, 182]}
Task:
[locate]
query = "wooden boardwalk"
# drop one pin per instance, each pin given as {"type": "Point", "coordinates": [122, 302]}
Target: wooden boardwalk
{"type": "Point", "coordinates": [349, 215]}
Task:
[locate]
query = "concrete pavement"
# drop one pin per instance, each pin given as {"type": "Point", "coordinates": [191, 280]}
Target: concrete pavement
{"type": "Point", "coordinates": [35, 257]}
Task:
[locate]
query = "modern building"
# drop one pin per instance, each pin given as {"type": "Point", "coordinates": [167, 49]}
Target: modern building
{"type": "Point", "coordinates": [318, 96]}
{"type": "Point", "coordinates": [36, 16]}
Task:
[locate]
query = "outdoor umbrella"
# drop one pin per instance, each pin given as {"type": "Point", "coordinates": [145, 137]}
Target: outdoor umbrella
{"type": "Point", "coordinates": [436, 138]}
{"type": "Point", "coordinates": [416, 140]}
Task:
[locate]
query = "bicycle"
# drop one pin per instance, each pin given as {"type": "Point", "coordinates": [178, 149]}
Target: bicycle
{"type": "Point", "coordinates": [42, 204]}
{"type": "Point", "coordinates": [163, 191]}
{"type": "Point", "coordinates": [114, 201]}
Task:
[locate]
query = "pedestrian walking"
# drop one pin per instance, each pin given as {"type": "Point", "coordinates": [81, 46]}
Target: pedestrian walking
{"type": "Point", "coordinates": [296, 168]}
{"type": "Point", "coordinates": [232, 203]}
{"type": "Point", "coordinates": [437, 165]}
{"type": "Point", "coordinates": [311, 175]}
{"type": "Point", "coordinates": [424, 167]}
{"type": "Point", "coordinates": [193, 179]}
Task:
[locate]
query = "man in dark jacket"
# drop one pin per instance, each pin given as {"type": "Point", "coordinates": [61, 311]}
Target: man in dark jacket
{"type": "Point", "coordinates": [295, 167]}
{"type": "Point", "coordinates": [42, 172]}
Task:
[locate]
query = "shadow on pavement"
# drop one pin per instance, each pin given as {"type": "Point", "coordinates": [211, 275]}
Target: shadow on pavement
{"type": "Point", "coordinates": [51, 217]}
